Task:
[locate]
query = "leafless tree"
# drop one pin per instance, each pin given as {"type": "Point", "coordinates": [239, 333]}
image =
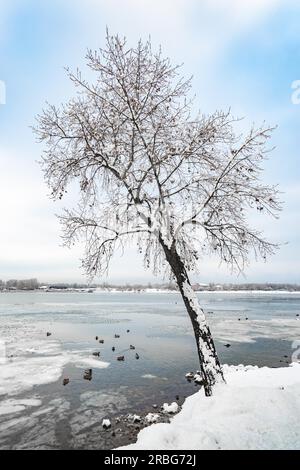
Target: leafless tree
{"type": "Point", "coordinates": [149, 171]}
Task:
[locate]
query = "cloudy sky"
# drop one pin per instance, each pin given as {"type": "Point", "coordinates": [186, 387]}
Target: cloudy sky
{"type": "Point", "coordinates": [242, 54]}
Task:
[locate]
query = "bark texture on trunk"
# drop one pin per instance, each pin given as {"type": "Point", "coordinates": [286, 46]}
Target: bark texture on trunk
{"type": "Point", "coordinates": [209, 363]}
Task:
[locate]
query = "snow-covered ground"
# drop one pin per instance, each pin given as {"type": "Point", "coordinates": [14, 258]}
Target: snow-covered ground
{"type": "Point", "coordinates": [258, 408]}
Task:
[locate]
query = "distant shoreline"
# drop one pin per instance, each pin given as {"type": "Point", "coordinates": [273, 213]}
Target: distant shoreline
{"type": "Point", "coordinates": [34, 285]}
{"type": "Point", "coordinates": [145, 291]}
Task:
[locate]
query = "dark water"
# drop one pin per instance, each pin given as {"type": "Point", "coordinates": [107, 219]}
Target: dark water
{"type": "Point", "coordinates": [71, 416]}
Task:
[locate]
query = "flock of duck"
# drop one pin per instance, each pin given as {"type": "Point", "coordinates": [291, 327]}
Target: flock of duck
{"type": "Point", "coordinates": [119, 358]}
{"type": "Point", "coordinates": [88, 373]}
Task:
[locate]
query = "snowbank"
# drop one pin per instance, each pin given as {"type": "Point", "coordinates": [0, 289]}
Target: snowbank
{"type": "Point", "coordinates": [259, 408]}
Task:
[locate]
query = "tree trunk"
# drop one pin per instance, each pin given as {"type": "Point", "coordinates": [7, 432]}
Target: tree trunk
{"type": "Point", "coordinates": [210, 367]}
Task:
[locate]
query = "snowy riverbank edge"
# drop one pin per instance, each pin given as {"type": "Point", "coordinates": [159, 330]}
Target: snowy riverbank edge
{"type": "Point", "coordinates": [258, 408]}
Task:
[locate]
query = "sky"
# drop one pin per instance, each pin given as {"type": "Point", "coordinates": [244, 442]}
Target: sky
{"type": "Point", "coordinates": [242, 54]}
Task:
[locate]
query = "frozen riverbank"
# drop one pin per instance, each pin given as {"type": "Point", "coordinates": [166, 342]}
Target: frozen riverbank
{"type": "Point", "coordinates": [38, 412]}
{"type": "Point", "coordinates": [259, 408]}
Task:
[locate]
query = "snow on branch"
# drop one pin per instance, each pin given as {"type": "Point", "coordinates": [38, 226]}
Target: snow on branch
{"type": "Point", "coordinates": [148, 169]}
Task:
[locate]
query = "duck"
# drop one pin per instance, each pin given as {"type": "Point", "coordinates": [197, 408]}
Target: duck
{"type": "Point", "coordinates": [88, 373]}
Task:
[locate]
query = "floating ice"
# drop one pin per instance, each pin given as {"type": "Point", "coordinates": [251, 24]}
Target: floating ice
{"type": "Point", "coordinates": [149, 376]}
{"type": "Point", "coordinates": [23, 372]}
{"type": "Point", "coordinates": [15, 406]}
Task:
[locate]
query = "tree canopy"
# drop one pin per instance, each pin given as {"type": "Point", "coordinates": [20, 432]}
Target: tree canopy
{"type": "Point", "coordinates": [149, 168]}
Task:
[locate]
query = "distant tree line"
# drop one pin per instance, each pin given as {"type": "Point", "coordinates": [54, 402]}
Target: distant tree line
{"type": "Point", "coordinates": [19, 284]}
{"type": "Point", "coordinates": [134, 287]}
{"type": "Point", "coordinates": [33, 284]}
{"type": "Point", "coordinates": [74, 285]}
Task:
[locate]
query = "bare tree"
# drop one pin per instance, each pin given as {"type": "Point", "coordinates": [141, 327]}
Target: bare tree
{"type": "Point", "coordinates": [178, 185]}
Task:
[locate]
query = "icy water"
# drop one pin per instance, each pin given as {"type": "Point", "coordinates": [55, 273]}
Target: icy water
{"type": "Point", "coordinates": [38, 412]}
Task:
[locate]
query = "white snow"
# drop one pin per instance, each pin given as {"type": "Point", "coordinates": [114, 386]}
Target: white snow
{"type": "Point", "coordinates": [229, 329]}
{"type": "Point", "coordinates": [258, 408]}
{"type": "Point", "coordinates": [198, 379]}
{"type": "Point", "coordinates": [189, 375]}
{"type": "Point", "coordinates": [173, 408]}
{"type": "Point", "coordinates": [209, 358]}
{"type": "Point", "coordinates": [106, 423]}
{"type": "Point", "coordinates": [151, 418]}
{"type": "Point", "coordinates": [135, 418]}
{"type": "Point", "coordinates": [194, 302]}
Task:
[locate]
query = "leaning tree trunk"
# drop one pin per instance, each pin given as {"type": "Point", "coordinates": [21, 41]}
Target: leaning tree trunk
{"type": "Point", "coordinates": [210, 367]}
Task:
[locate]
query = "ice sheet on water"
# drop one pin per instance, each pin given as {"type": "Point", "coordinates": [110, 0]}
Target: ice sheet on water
{"type": "Point", "coordinates": [31, 358]}
{"type": "Point", "coordinates": [39, 430]}
{"type": "Point", "coordinates": [37, 362]}
{"type": "Point", "coordinates": [22, 373]}
{"type": "Point", "coordinates": [229, 328]}
{"type": "Point", "coordinates": [81, 361]}
{"type": "Point", "coordinates": [149, 376]}
{"type": "Point", "coordinates": [11, 406]}
{"type": "Point", "coordinates": [248, 331]}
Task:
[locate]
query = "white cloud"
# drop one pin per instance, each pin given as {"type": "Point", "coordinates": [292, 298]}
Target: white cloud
{"type": "Point", "coordinates": [246, 11]}
{"type": "Point", "coordinates": [179, 23]}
